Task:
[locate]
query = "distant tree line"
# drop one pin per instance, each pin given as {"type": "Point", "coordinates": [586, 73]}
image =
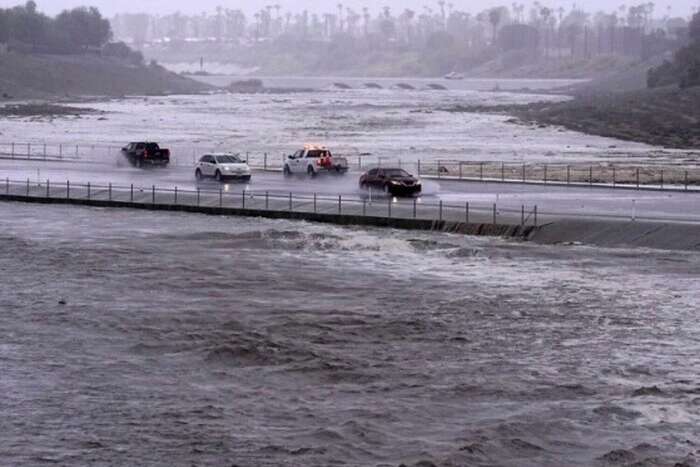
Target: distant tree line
{"type": "Point", "coordinates": [684, 69]}
{"type": "Point", "coordinates": [439, 32]}
{"type": "Point", "coordinates": [78, 30]}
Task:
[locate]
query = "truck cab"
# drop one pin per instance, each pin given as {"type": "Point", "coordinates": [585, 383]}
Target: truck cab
{"type": "Point", "coordinates": [313, 160]}
{"type": "Point", "coordinates": [140, 154]}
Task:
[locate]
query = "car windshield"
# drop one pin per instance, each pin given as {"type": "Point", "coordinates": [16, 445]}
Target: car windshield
{"type": "Point", "coordinates": [318, 153]}
{"type": "Point", "coordinates": [396, 173]}
{"type": "Point", "coordinates": [228, 160]}
{"type": "Point", "coordinates": [152, 147]}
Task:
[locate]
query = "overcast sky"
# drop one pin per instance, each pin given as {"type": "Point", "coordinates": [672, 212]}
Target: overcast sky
{"type": "Point", "coordinates": [110, 7]}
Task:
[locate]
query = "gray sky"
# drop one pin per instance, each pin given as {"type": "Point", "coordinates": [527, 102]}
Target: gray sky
{"type": "Point", "coordinates": [110, 7]}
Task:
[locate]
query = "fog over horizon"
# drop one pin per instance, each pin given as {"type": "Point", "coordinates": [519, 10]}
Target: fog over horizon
{"type": "Point", "coordinates": [110, 8]}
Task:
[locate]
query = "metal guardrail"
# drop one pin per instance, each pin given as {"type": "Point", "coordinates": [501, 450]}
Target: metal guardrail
{"type": "Point", "coordinates": [181, 155]}
{"type": "Point", "coordinates": [613, 175]}
{"type": "Point", "coordinates": [661, 177]}
{"type": "Point", "coordinates": [383, 207]}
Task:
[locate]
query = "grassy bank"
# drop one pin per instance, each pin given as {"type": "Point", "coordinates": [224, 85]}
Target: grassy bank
{"type": "Point", "coordinates": [46, 76]}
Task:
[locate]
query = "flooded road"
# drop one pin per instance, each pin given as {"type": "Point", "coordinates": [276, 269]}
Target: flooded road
{"type": "Point", "coordinates": [140, 338]}
{"type": "Point", "coordinates": [382, 123]}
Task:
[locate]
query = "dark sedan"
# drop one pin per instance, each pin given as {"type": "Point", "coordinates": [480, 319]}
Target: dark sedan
{"type": "Point", "coordinates": [396, 182]}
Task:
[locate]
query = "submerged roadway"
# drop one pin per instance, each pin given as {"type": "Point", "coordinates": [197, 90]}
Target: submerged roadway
{"type": "Point", "coordinates": [553, 201]}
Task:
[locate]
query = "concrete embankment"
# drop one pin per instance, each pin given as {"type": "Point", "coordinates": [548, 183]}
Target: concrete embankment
{"type": "Point", "coordinates": [478, 229]}
{"type": "Point", "coordinates": [668, 236]}
{"type": "Point", "coordinates": [664, 236]}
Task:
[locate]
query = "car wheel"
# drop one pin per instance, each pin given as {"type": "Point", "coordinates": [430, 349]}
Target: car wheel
{"type": "Point", "coordinates": [311, 171]}
{"type": "Point", "coordinates": [218, 177]}
{"type": "Point", "coordinates": [287, 172]}
{"type": "Point", "coordinates": [198, 174]}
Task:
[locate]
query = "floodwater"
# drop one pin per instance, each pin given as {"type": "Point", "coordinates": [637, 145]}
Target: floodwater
{"type": "Point", "coordinates": [388, 123]}
{"type": "Point", "coordinates": [142, 338]}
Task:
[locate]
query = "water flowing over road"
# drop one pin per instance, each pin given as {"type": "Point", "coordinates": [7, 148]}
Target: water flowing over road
{"type": "Point", "coordinates": [141, 338]}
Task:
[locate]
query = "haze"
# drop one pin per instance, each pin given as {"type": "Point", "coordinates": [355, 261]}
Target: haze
{"type": "Point", "coordinates": [109, 7]}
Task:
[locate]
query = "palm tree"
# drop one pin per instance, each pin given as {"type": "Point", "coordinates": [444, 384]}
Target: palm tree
{"type": "Point", "coordinates": [495, 19]}
{"type": "Point", "coordinates": [340, 16]}
{"type": "Point", "coordinates": [442, 11]}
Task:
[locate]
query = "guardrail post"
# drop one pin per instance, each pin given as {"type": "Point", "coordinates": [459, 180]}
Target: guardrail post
{"type": "Point", "coordinates": [7, 186]}
{"type": "Point", "coordinates": [27, 188]}
{"type": "Point", "coordinates": [535, 215]}
{"type": "Point", "coordinates": [522, 216]}
{"type": "Point", "coordinates": [265, 162]}
{"type": "Point", "coordinates": [153, 194]}
{"type": "Point", "coordinates": [590, 176]}
{"type": "Point", "coordinates": [60, 151]}
{"type": "Point", "coordinates": [662, 179]}
{"type": "Point", "coordinates": [614, 176]}
{"type": "Point", "coordinates": [523, 173]}
{"type": "Point", "coordinates": [389, 207]}
{"type": "Point", "coordinates": [481, 171]}
{"type": "Point", "coordinates": [340, 204]}
{"type": "Point", "coordinates": [460, 171]}
{"type": "Point", "coordinates": [466, 213]}
{"type": "Point", "coordinates": [568, 174]}
{"type": "Point", "coordinates": [494, 213]}
{"type": "Point", "coordinates": [290, 202]}
{"type": "Point", "coordinates": [437, 164]}
{"type": "Point", "coordinates": [267, 200]}
{"type": "Point", "coordinates": [175, 201]}
{"type": "Point", "coordinates": [29, 150]}
{"type": "Point", "coordinates": [76, 151]}
{"type": "Point", "coordinates": [110, 191]}
{"type": "Point", "coordinates": [44, 151]}
{"type": "Point", "coordinates": [314, 203]}
{"type": "Point", "coordinates": [686, 180]}
{"type": "Point", "coordinates": [503, 172]}
{"type": "Point", "coordinates": [417, 166]}
{"type": "Point", "coordinates": [67, 189]}
{"type": "Point", "coordinates": [545, 174]}
{"type": "Point", "coordinates": [247, 154]}
{"type": "Point", "coordinates": [12, 151]}
{"type": "Point", "coordinates": [131, 197]}
{"type": "Point", "coordinates": [415, 208]}
{"type": "Point", "coordinates": [243, 199]}
{"type": "Point", "coordinates": [88, 188]}
{"type": "Point", "coordinates": [48, 192]}
{"type": "Point", "coordinates": [637, 178]}
{"type": "Point", "coordinates": [440, 211]}
{"type": "Point", "coordinates": [221, 197]}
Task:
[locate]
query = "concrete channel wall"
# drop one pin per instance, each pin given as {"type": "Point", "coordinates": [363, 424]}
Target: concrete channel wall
{"type": "Point", "coordinates": [669, 236]}
{"type": "Point", "coordinates": [502, 230]}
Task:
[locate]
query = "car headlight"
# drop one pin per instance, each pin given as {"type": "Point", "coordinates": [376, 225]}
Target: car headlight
{"type": "Point", "coordinates": [394, 182]}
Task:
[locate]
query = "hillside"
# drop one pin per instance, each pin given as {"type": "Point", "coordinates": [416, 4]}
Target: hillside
{"type": "Point", "coordinates": [667, 117]}
{"type": "Point", "coordinates": [45, 76]}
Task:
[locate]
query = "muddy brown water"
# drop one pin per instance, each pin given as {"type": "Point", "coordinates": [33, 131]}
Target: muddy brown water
{"type": "Point", "coordinates": [135, 338]}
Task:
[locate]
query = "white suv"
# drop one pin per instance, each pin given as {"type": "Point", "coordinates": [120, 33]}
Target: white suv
{"type": "Point", "coordinates": [222, 167]}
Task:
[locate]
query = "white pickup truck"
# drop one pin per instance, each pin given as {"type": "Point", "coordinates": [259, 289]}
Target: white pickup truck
{"type": "Point", "coordinates": [313, 160]}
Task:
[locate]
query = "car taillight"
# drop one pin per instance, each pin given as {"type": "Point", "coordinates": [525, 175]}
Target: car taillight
{"type": "Point", "coordinates": [145, 154]}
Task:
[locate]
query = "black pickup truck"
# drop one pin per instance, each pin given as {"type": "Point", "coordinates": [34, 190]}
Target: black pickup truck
{"type": "Point", "coordinates": [143, 154]}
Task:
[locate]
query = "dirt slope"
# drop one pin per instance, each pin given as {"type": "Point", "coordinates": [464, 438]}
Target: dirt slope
{"type": "Point", "coordinates": [42, 76]}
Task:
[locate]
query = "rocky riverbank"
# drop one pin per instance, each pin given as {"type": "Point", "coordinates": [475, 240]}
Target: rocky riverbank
{"type": "Point", "coordinates": [668, 117]}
